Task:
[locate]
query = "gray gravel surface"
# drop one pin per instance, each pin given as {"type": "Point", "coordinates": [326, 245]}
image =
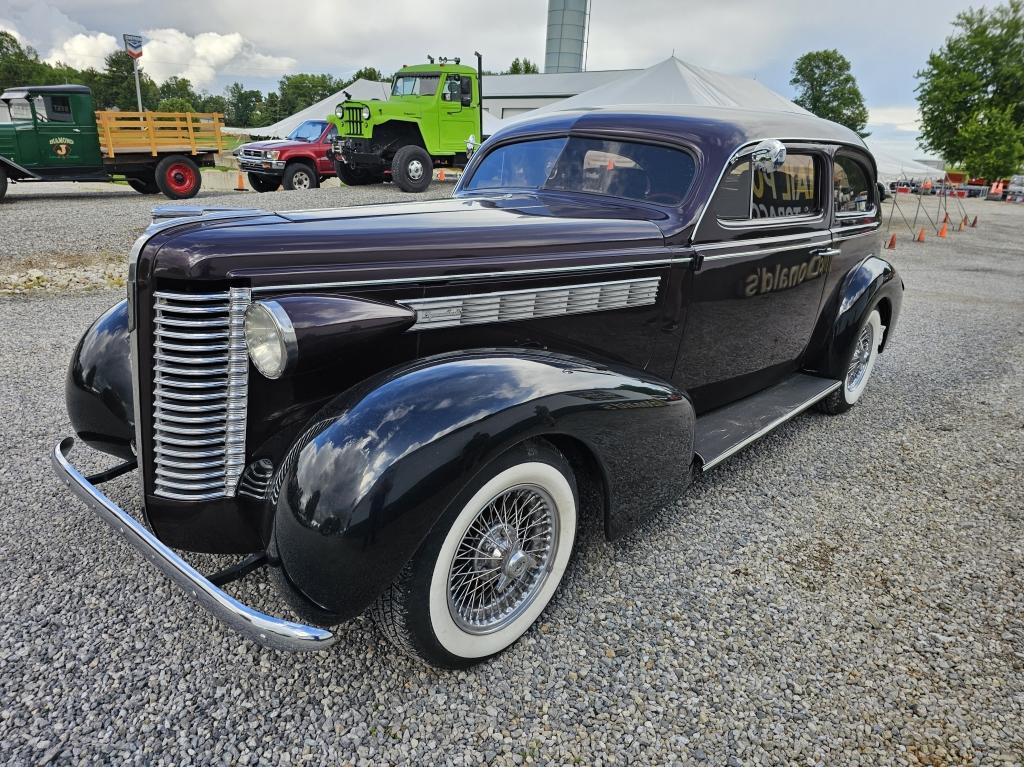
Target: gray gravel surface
{"type": "Point", "coordinates": [850, 590]}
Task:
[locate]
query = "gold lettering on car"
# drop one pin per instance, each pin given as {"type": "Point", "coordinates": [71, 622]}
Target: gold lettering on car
{"type": "Point", "coordinates": [61, 145]}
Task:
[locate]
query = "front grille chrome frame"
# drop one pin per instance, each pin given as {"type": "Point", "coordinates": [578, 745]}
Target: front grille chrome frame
{"type": "Point", "coordinates": [200, 393]}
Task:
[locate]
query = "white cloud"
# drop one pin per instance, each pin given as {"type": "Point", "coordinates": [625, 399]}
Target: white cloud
{"type": "Point", "coordinates": [170, 52]}
{"type": "Point", "coordinates": [84, 50]}
{"type": "Point", "coordinates": [904, 118]}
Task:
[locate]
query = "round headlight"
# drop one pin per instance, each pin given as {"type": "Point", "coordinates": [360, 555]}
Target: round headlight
{"type": "Point", "coordinates": [270, 338]}
{"type": "Point", "coordinates": [366, 113]}
{"type": "Point", "coordinates": [339, 111]}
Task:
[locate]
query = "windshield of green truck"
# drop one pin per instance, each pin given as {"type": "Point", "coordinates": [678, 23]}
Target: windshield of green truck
{"type": "Point", "coordinates": [596, 166]}
{"type": "Point", "coordinates": [308, 131]}
{"type": "Point", "coordinates": [21, 110]}
{"type": "Point", "coordinates": [415, 85]}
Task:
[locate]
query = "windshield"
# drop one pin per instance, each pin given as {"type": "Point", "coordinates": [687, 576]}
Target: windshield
{"type": "Point", "coordinates": [308, 131]}
{"type": "Point", "coordinates": [598, 166]}
{"type": "Point", "coordinates": [415, 85]}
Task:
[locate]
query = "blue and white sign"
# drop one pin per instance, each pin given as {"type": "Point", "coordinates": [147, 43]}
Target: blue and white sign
{"type": "Point", "coordinates": [133, 46]}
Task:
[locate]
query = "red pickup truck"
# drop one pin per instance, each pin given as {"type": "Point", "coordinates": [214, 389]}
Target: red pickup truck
{"type": "Point", "coordinates": [297, 162]}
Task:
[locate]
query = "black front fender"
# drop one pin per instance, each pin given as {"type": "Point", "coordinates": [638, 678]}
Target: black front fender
{"type": "Point", "coordinates": [360, 490]}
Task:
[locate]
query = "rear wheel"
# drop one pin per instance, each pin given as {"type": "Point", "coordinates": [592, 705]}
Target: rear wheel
{"type": "Point", "coordinates": [264, 183]}
{"type": "Point", "coordinates": [351, 177]}
{"type": "Point", "coordinates": [3, 183]}
{"type": "Point", "coordinates": [145, 185]}
{"type": "Point", "coordinates": [490, 565]}
{"type": "Point", "coordinates": [412, 169]}
{"type": "Point", "coordinates": [300, 176]}
{"type": "Point", "coordinates": [178, 177]}
{"type": "Point", "coordinates": [860, 363]}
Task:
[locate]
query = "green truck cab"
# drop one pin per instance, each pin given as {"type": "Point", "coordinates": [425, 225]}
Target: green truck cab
{"type": "Point", "coordinates": [431, 120]}
{"type": "Point", "coordinates": [51, 133]}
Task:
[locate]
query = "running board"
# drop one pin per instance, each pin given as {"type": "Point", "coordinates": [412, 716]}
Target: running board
{"type": "Point", "coordinates": [724, 432]}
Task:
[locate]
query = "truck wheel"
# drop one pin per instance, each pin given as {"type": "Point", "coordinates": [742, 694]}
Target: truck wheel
{"type": "Point", "coordinates": [490, 565]}
{"type": "Point", "coordinates": [412, 169]}
{"type": "Point", "coordinates": [300, 176]}
{"type": "Point", "coordinates": [860, 362]}
{"type": "Point", "coordinates": [263, 183]}
{"type": "Point", "coordinates": [351, 177]}
{"type": "Point", "coordinates": [3, 183]}
{"type": "Point", "coordinates": [144, 185]}
{"type": "Point", "coordinates": [178, 177]}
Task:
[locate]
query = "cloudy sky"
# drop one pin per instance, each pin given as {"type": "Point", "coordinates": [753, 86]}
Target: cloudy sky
{"type": "Point", "coordinates": [215, 42]}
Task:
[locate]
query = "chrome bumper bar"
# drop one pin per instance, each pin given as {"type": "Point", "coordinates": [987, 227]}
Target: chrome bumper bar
{"type": "Point", "coordinates": [263, 629]}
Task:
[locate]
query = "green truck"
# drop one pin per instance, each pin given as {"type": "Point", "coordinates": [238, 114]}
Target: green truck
{"type": "Point", "coordinates": [51, 133]}
{"type": "Point", "coordinates": [432, 119]}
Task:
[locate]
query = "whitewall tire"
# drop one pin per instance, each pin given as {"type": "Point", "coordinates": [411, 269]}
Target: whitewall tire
{"type": "Point", "coordinates": [860, 364]}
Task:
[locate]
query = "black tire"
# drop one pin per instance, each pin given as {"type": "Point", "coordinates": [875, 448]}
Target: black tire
{"type": "Point", "coordinates": [412, 169]}
{"type": "Point", "coordinates": [416, 612]}
{"type": "Point", "coordinates": [299, 175]}
{"type": "Point", "coordinates": [351, 177]}
{"type": "Point", "coordinates": [144, 185]}
{"type": "Point", "coordinates": [3, 183]}
{"type": "Point", "coordinates": [263, 183]}
{"type": "Point", "coordinates": [178, 177]}
{"type": "Point", "coordinates": [848, 395]}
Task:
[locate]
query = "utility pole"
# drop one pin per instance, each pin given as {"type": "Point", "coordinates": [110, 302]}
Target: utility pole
{"type": "Point", "coordinates": [133, 47]}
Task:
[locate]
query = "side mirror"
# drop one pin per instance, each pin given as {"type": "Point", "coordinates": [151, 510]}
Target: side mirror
{"type": "Point", "coordinates": [768, 156]}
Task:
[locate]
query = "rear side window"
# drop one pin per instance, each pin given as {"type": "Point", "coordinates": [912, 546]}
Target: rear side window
{"type": "Point", "coordinates": [792, 190]}
{"type": "Point", "coordinates": [850, 186]}
{"type": "Point", "coordinates": [53, 109]}
{"type": "Point", "coordinates": [21, 110]}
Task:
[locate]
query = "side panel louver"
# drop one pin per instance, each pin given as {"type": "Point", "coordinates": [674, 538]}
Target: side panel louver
{"type": "Point", "coordinates": [200, 381]}
{"type": "Point", "coordinates": [505, 306]}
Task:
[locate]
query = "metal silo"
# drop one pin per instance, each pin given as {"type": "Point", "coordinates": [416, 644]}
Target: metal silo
{"type": "Point", "coordinates": [568, 23]}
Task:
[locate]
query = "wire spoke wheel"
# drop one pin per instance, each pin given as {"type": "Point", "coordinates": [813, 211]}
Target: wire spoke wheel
{"type": "Point", "coordinates": [861, 357]}
{"type": "Point", "coordinates": [503, 559]}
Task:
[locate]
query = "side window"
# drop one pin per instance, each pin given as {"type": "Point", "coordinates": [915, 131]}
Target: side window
{"type": "Point", "coordinates": [5, 114]}
{"type": "Point", "coordinates": [732, 200]}
{"type": "Point", "coordinates": [850, 186]}
{"type": "Point", "coordinates": [332, 133]}
{"type": "Point", "coordinates": [21, 110]}
{"type": "Point", "coordinates": [792, 190]}
{"type": "Point", "coordinates": [452, 88]}
{"type": "Point", "coordinates": [467, 91]}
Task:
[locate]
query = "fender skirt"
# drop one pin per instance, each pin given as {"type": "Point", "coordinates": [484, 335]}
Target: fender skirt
{"type": "Point", "coordinates": [361, 488]}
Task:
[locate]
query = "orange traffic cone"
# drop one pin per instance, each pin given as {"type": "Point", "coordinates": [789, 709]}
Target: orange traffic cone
{"type": "Point", "coordinates": [892, 243]}
{"type": "Point", "coordinates": [965, 222]}
{"type": "Point", "coordinates": [440, 175]}
{"type": "Point", "coordinates": [920, 236]}
{"type": "Point", "coordinates": [942, 231]}
{"type": "Point", "coordinates": [240, 183]}
{"type": "Point", "coordinates": [946, 219]}
{"type": "Point", "coordinates": [974, 223]}
{"type": "Point", "coordinates": [961, 227]}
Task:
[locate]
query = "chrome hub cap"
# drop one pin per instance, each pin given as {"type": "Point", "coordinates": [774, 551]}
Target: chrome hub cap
{"type": "Point", "coordinates": [503, 560]}
{"type": "Point", "coordinates": [300, 181]}
{"type": "Point", "coordinates": [861, 356]}
{"type": "Point", "coordinates": [415, 170]}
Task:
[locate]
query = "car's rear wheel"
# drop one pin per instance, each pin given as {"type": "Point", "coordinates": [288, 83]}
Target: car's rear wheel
{"type": "Point", "coordinates": [178, 177]}
{"type": "Point", "coordinates": [300, 176]}
{"type": "Point", "coordinates": [352, 177]}
{"type": "Point", "coordinates": [412, 169]}
{"type": "Point", "coordinates": [860, 364]}
{"type": "Point", "coordinates": [263, 183]}
{"type": "Point", "coordinates": [490, 565]}
{"type": "Point", "coordinates": [144, 185]}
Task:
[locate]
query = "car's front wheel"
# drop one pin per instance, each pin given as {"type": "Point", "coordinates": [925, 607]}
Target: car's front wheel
{"type": "Point", "coordinates": [412, 169]}
{"type": "Point", "coordinates": [490, 565]}
{"type": "Point", "coordinates": [262, 183]}
{"type": "Point", "coordinates": [300, 176]}
{"type": "Point", "coordinates": [860, 364]}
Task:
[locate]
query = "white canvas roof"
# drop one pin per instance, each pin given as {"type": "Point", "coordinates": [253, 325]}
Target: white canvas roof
{"type": "Point", "coordinates": [361, 90]}
{"type": "Point", "coordinates": [550, 85]}
{"type": "Point", "coordinates": [894, 168]}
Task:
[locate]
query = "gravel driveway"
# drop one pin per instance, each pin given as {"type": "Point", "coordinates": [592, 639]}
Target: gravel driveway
{"type": "Point", "coordinates": [848, 591]}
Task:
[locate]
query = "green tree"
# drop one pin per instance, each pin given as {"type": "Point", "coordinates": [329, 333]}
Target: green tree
{"type": "Point", "coordinates": [971, 83]}
{"type": "Point", "coordinates": [994, 144]}
{"type": "Point", "coordinates": [271, 111]}
{"type": "Point", "coordinates": [826, 87]}
{"type": "Point", "coordinates": [208, 103]}
{"type": "Point", "coordinates": [115, 86]}
{"type": "Point", "coordinates": [366, 73]}
{"type": "Point", "coordinates": [522, 67]}
{"type": "Point", "coordinates": [242, 108]}
{"type": "Point", "coordinates": [175, 105]}
{"type": "Point", "coordinates": [178, 88]}
{"type": "Point", "coordinates": [21, 65]}
{"type": "Point", "coordinates": [302, 90]}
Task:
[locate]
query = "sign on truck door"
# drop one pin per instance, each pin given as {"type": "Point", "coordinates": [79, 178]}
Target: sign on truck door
{"type": "Point", "coordinates": [66, 131]}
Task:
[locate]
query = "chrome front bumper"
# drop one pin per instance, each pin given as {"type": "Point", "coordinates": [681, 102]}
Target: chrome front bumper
{"type": "Point", "coordinates": [263, 629]}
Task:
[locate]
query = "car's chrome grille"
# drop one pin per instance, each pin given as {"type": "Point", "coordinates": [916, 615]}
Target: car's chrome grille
{"type": "Point", "coordinates": [200, 381]}
{"type": "Point", "coordinates": [504, 306]}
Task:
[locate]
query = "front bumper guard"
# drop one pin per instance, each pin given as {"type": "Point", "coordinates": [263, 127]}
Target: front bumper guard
{"type": "Point", "coordinates": [266, 630]}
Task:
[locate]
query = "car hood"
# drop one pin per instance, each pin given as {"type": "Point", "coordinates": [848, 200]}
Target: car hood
{"type": "Point", "coordinates": [405, 240]}
{"type": "Point", "coordinates": [272, 144]}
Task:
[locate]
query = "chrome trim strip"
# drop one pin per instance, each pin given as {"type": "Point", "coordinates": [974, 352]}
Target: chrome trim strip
{"type": "Point", "coordinates": [770, 427]}
{"type": "Point", "coordinates": [532, 303]}
{"type": "Point", "coordinates": [474, 276]}
{"type": "Point", "coordinates": [265, 630]}
{"type": "Point", "coordinates": [238, 390]}
{"type": "Point", "coordinates": [856, 234]}
{"type": "Point", "coordinates": [800, 236]}
{"type": "Point", "coordinates": [764, 251]}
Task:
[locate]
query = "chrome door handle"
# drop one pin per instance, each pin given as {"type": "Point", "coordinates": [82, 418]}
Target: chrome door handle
{"type": "Point", "coordinates": [827, 252]}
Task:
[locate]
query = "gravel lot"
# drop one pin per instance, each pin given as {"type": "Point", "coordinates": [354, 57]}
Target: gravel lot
{"type": "Point", "coordinates": [848, 591]}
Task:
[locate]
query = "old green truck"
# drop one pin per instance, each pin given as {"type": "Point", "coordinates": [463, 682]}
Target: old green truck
{"type": "Point", "coordinates": [51, 133]}
{"type": "Point", "coordinates": [432, 119]}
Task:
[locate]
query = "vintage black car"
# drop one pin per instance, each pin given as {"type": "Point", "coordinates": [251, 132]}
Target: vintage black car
{"type": "Point", "coordinates": [408, 408]}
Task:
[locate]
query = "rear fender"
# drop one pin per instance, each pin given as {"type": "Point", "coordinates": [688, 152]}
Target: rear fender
{"type": "Point", "coordinates": [361, 489]}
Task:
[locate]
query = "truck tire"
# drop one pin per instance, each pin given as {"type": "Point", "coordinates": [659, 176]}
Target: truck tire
{"type": "Point", "coordinates": [509, 536]}
{"type": "Point", "coordinates": [3, 183]}
{"type": "Point", "coordinates": [299, 175]}
{"type": "Point", "coordinates": [412, 169]}
{"type": "Point", "coordinates": [263, 183]}
{"type": "Point", "coordinates": [352, 177]}
{"type": "Point", "coordinates": [178, 177]}
{"type": "Point", "coordinates": [144, 185]}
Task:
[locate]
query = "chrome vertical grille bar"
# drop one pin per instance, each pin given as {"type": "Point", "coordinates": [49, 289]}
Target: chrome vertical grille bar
{"type": "Point", "coordinates": [200, 386]}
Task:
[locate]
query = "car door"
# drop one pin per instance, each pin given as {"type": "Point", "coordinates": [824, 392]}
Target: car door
{"type": "Point", "coordinates": [764, 246]}
{"type": "Point", "coordinates": [324, 165]}
{"type": "Point", "coordinates": [458, 121]}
